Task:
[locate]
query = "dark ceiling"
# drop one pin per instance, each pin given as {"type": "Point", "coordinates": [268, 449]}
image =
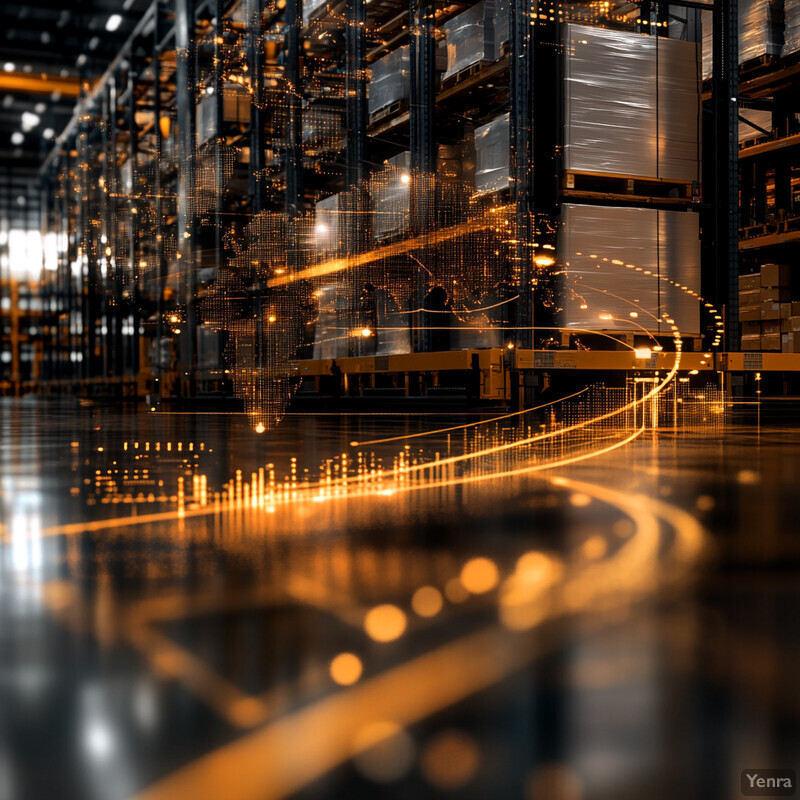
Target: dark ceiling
{"type": "Point", "coordinates": [47, 49]}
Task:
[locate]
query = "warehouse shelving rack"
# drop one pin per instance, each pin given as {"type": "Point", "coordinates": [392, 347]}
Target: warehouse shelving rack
{"type": "Point", "coordinates": [148, 221]}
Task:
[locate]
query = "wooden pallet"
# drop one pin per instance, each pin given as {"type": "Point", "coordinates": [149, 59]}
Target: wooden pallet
{"type": "Point", "coordinates": [606, 184]}
{"type": "Point", "coordinates": [753, 231]}
{"type": "Point", "coordinates": [398, 107]}
{"type": "Point", "coordinates": [759, 65]}
{"type": "Point", "coordinates": [752, 142]}
{"type": "Point", "coordinates": [790, 59]}
{"type": "Point", "coordinates": [464, 74]}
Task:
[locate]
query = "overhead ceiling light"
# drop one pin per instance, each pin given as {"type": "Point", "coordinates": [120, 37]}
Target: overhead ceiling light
{"type": "Point", "coordinates": [93, 42]}
{"type": "Point", "coordinates": [17, 138]}
{"type": "Point", "coordinates": [30, 120]}
{"type": "Point", "coordinates": [9, 66]}
{"type": "Point", "coordinates": [48, 133]}
{"type": "Point", "coordinates": [40, 108]}
{"type": "Point", "coordinates": [80, 60]}
{"type": "Point", "coordinates": [114, 21]}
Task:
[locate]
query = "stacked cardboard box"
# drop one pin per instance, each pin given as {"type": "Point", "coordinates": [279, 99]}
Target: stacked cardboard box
{"type": "Point", "coordinates": [770, 319]}
{"type": "Point", "coordinates": [750, 310]}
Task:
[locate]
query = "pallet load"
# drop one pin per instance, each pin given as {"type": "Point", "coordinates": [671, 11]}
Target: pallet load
{"type": "Point", "coordinates": [389, 188]}
{"type": "Point", "coordinates": [760, 29]}
{"type": "Point", "coordinates": [754, 123]}
{"type": "Point", "coordinates": [475, 36]}
{"type": "Point", "coordinates": [770, 319]}
{"type": "Point", "coordinates": [750, 311]}
{"type": "Point", "coordinates": [648, 93]}
{"type": "Point", "coordinates": [492, 157]}
{"type": "Point", "coordinates": [390, 85]}
{"type": "Point", "coordinates": [791, 33]}
{"type": "Point", "coordinates": [665, 245]}
{"type": "Point", "coordinates": [761, 32]}
{"type": "Point", "coordinates": [327, 236]}
{"type": "Point", "coordinates": [313, 9]}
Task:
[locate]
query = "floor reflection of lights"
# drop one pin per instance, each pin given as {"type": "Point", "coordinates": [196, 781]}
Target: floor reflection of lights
{"type": "Point", "coordinates": [363, 625]}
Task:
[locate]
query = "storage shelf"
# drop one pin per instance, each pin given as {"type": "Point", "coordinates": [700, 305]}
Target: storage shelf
{"type": "Point", "coordinates": [770, 146]}
{"type": "Point", "coordinates": [779, 235]}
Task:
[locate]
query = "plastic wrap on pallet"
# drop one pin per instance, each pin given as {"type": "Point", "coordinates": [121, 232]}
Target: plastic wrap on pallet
{"type": "Point", "coordinates": [311, 9]}
{"type": "Point", "coordinates": [390, 197]}
{"type": "Point", "coordinates": [631, 104]}
{"type": "Point", "coordinates": [391, 78]}
{"type": "Point", "coordinates": [664, 243]}
{"type": "Point", "coordinates": [707, 24]}
{"type": "Point", "coordinates": [609, 102]}
{"type": "Point", "coordinates": [126, 177]}
{"type": "Point", "coordinates": [791, 32]}
{"type": "Point", "coordinates": [678, 258]}
{"type": "Point", "coordinates": [327, 213]}
{"type": "Point", "coordinates": [761, 31]}
{"type": "Point", "coordinates": [205, 119]}
{"type": "Point", "coordinates": [761, 121]}
{"type": "Point", "coordinates": [470, 37]}
{"type": "Point", "coordinates": [678, 122]}
{"type": "Point", "coordinates": [492, 155]}
{"type": "Point", "coordinates": [502, 26]}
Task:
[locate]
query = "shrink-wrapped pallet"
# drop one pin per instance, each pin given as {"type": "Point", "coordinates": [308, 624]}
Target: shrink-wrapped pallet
{"type": "Point", "coordinates": [390, 82]}
{"type": "Point", "coordinates": [631, 104]}
{"type": "Point", "coordinates": [596, 245]}
{"type": "Point", "coordinates": [492, 158]}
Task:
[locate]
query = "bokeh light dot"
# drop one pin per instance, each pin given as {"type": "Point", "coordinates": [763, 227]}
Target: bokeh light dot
{"type": "Point", "coordinates": [385, 623]}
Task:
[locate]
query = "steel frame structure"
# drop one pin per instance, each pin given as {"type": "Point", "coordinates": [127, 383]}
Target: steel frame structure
{"type": "Point", "coordinates": [108, 315]}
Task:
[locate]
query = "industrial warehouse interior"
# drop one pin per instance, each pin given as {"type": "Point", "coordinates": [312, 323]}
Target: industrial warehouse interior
{"type": "Point", "coordinates": [399, 399]}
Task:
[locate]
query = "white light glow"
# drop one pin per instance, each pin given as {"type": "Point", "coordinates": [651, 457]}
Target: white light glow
{"type": "Point", "coordinates": [97, 739]}
{"type": "Point", "coordinates": [114, 21]}
{"type": "Point", "coordinates": [25, 254]}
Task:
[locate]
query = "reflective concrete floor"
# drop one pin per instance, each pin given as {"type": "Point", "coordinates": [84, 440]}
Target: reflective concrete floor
{"type": "Point", "coordinates": [624, 627]}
